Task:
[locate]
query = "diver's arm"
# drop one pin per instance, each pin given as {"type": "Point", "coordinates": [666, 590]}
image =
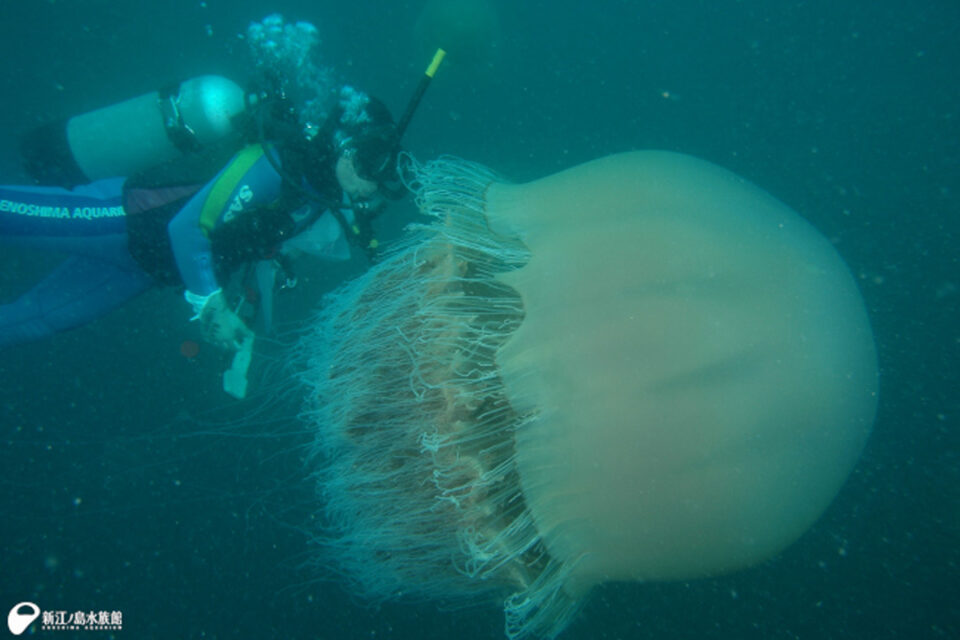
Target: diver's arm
{"type": "Point", "coordinates": [193, 253]}
{"type": "Point", "coordinates": [194, 256]}
{"type": "Point", "coordinates": [247, 182]}
{"type": "Point", "coordinates": [191, 247]}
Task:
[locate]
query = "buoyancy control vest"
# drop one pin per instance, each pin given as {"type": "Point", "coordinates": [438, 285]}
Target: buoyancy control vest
{"type": "Point", "coordinates": [153, 197]}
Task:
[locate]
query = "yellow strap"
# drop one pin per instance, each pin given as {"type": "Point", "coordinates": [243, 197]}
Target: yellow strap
{"type": "Point", "coordinates": [226, 184]}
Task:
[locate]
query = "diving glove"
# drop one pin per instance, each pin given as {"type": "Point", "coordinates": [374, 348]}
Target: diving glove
{"type": "Point", "coordinates": [220, 325]}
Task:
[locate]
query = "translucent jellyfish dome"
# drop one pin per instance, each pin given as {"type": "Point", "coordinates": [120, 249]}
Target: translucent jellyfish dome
{"type": "Point", "coordinates": [641, 368]}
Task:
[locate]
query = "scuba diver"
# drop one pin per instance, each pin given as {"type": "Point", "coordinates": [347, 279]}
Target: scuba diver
{"type": "Point", "coordinates": [187, 185]}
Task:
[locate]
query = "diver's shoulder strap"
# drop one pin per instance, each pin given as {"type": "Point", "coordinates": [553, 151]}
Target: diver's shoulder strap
{"type": "Point", "coordinates": [226, 183]}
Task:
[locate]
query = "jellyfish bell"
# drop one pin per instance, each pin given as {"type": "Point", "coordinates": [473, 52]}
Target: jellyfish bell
{"type": "Point", "coordinates": [641, 368]}
{"type": "Point", "coordinates": [701, 359]}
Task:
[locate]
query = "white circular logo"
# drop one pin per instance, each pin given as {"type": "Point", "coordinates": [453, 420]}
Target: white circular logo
{"type": "Point", "coordinates": [18, 621]}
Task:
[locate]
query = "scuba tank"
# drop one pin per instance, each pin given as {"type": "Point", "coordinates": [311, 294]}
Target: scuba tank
{"type": "Point", "coordinates": [124, 138]}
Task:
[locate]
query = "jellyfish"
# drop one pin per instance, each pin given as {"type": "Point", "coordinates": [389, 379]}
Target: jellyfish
{"type": "Point", "coordinates": [640, 368]}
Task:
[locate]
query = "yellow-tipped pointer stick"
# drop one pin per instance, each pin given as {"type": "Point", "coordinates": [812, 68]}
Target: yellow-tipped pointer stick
{"type": "Point", "coordinates": [421, 89]}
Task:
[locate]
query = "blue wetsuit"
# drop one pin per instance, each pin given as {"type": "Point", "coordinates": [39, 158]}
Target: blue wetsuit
{"type": "Point", "coordinates": [90, 224]}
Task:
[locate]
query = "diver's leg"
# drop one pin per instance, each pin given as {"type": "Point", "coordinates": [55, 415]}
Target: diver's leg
{"type": "Point", "coordinates": [87, 222]}
{"type": "Point", "coordinates": [77, 221]}
{"type": "Point", "coordinates": [75, 293]}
